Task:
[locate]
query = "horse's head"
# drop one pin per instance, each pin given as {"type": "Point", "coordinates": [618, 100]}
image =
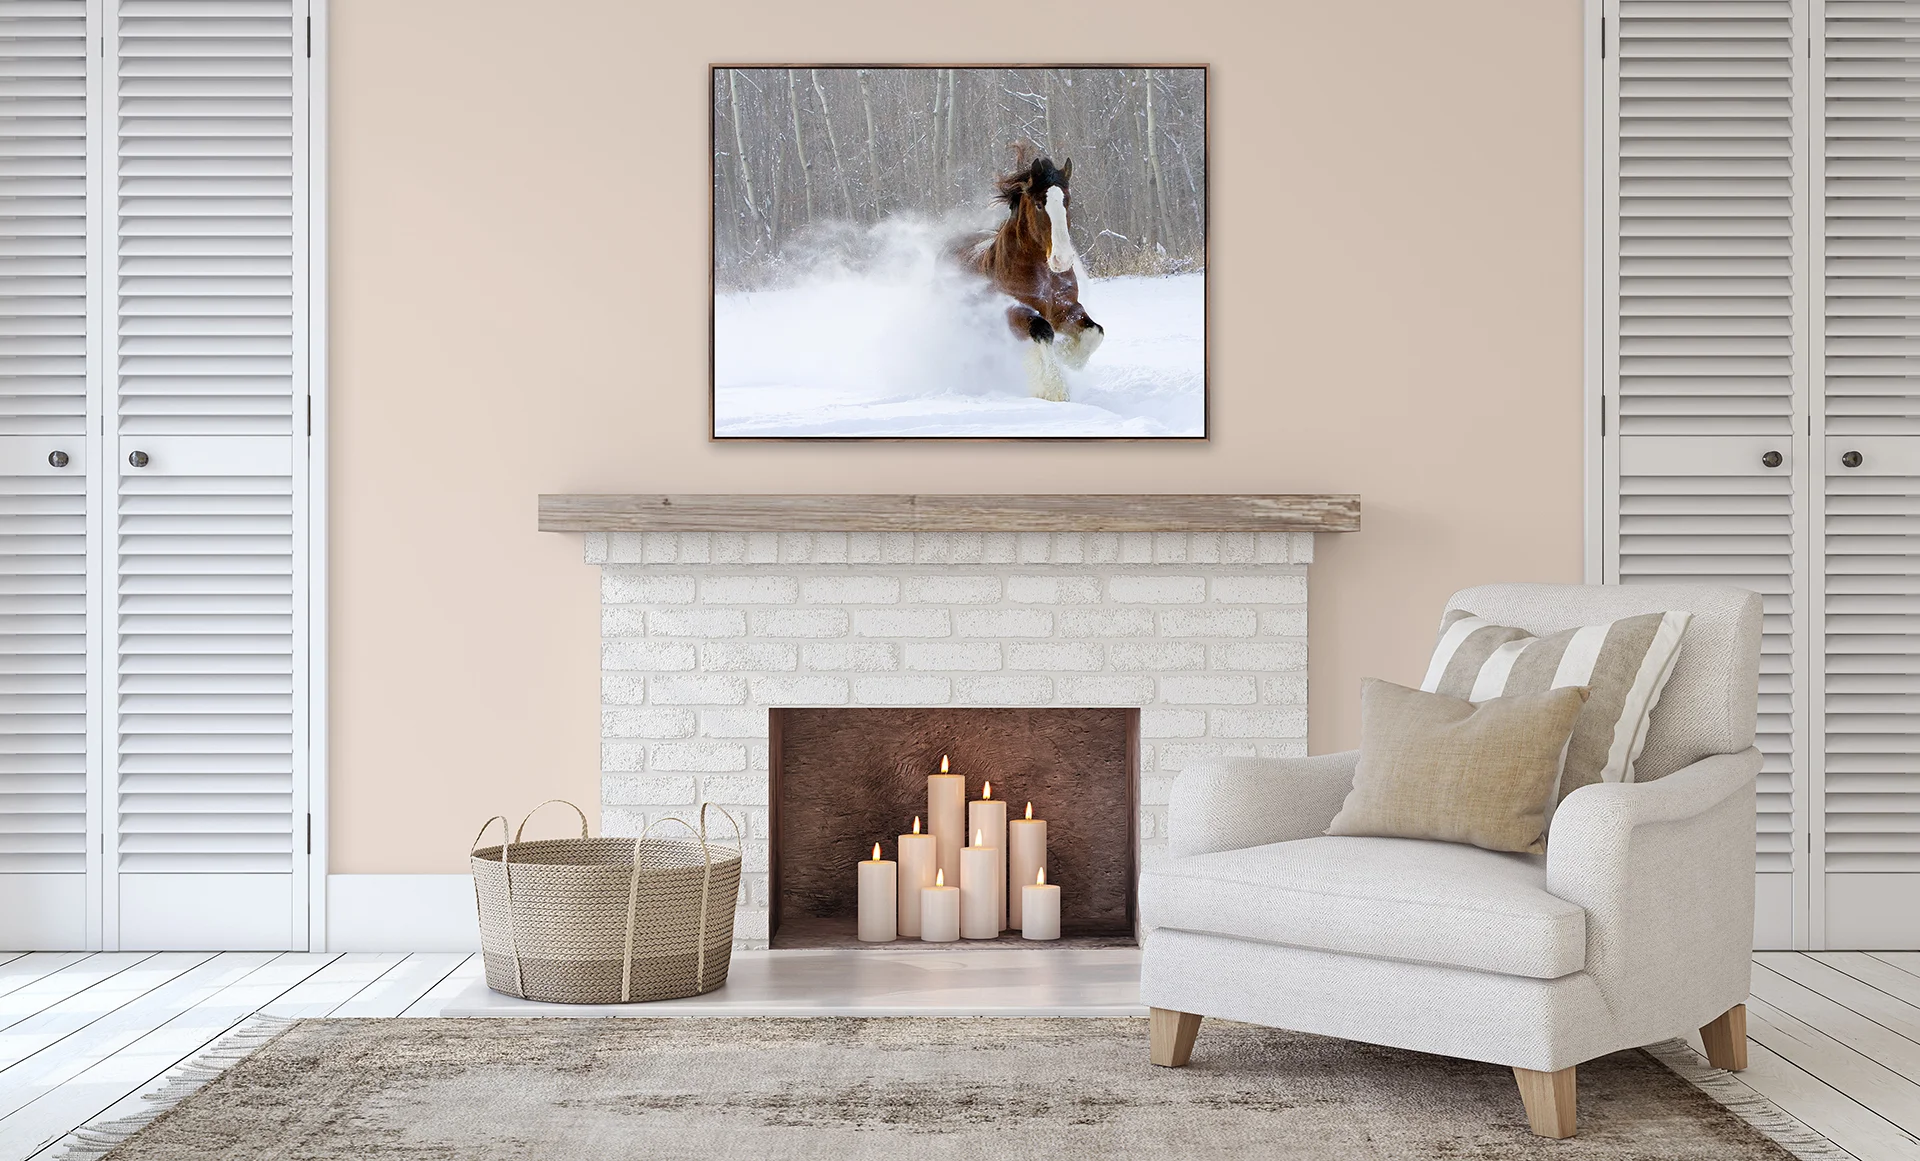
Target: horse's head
{"type": "Point", "coordinates": [1041, 187]}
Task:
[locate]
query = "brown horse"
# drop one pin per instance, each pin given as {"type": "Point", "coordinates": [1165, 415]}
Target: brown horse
{"type": "Point", "coordinates": [1032, 260]}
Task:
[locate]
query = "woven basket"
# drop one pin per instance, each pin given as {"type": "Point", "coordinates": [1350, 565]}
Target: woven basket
{"type": "Point", "coordinates": [606, 920]}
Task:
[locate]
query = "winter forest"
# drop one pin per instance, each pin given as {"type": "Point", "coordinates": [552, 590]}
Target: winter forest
{"type": "Point", "coordinates": [795, 148]}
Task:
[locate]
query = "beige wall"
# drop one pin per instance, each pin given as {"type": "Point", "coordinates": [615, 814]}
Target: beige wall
{"type": "Point", "coordinates": [519, 306]}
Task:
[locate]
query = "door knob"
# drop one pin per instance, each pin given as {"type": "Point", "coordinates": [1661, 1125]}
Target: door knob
{"type": "Point", "coordinates": [1771, 459]}
{"type": "Point", "coordinates": [138, 459]}
{"type": "Point", "coordinates": [58, 459]}
{"type": "Point", "coordinates": [1852, 459]}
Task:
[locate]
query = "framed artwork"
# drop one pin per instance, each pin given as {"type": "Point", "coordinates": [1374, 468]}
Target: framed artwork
{"type": "Point", "coordinates": [959, 252]}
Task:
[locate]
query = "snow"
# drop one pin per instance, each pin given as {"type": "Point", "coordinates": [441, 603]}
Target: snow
{"type": "Point", "coordinates": [910, 346]}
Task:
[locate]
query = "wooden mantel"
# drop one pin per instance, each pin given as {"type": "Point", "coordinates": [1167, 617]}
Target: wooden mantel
{"type": "Point", "coordinates": [904, 513]}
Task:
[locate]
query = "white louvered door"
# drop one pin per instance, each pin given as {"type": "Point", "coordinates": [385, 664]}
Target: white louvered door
{"type": "Point", "coordinates": [1705, 279]}
{"type": "Point", "coordinates": [1867, 478]}
{"type": "Point", "coordinates": [208, 416]}
{"type": "Point", "coordinates": [44, 625]}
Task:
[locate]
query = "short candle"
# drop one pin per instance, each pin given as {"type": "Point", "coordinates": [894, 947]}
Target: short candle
{"type": "Point", "coordinates": [878, 909]}
{"type": "Point", "coordinates": [1040, 905]}
{"type": "Point", "coordinates": [939, 911]}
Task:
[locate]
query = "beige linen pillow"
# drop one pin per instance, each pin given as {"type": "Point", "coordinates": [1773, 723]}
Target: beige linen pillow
{"type": "Point", "coordinates": [1439, 767]}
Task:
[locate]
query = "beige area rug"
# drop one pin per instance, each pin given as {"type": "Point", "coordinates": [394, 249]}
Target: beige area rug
{"type": "Point", "coordinates": [925, 1089]}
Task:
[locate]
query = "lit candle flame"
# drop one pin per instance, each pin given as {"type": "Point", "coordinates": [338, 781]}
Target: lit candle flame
{"type": "Point", "coordinates": [1029, 810]}
{"type": "Point", "coordinates": [940, 878]}
{"type": "Point", "coordinates": [916, 824]}
{"type": "Point", "coordinates": [876, 852]}
{"type": "Point", "coordinates": [988, 792]}
{"type": "Point", "coordinates": [979, 838]}
{"type": "Point", "coordinates": [1041, 881]}
{"type": "Point", "coordinates": [943, 763]}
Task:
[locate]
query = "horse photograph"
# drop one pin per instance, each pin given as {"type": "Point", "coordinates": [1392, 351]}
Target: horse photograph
{"type": "Point", "coordinates": [959, 253]}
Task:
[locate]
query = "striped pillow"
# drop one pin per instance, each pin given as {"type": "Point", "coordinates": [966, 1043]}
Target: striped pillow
{"type": "Point", "coordinates": [1625, 664]}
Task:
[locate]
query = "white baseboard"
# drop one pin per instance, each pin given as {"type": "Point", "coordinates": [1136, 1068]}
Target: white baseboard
{"type": "Point", "coordinates": [401, 913]}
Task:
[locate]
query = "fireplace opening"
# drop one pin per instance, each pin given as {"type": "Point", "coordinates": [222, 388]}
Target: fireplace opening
{"type": "Point", "coordinates": [844, 779]}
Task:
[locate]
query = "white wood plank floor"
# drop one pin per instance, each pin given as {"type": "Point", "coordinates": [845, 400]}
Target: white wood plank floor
{"type": "Point", "coordinates": [1835, 1035]}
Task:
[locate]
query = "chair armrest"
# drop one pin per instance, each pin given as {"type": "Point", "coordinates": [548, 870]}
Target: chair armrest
{"type": "Point", "coordinates": [1234, 803]}
{"type": "Point", "coordinates": [1664, 871]}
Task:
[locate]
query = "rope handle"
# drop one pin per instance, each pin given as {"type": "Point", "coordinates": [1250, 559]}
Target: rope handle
{"type": "Point", "coordinates": [505, 837]}
{"type": "Point", "coordinates": [706, 885]}
{"type": "Point", "coordinates": [518, 831]}
{"type": "Point", "coordinates": [513, 935]}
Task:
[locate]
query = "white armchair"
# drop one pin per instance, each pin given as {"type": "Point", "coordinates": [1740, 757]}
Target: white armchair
{"type": "Point", "coordinates": [1635, 926]}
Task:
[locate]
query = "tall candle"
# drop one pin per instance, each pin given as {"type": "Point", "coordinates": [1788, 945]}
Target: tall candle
{"type": "Point", "coordinates": [919, 863]}
{"type": "Point", "coordinates": [878, 909]}
{"type": "Point", "coordinates": [989, 816]}
{"type": "Point", "coordinates": [1026, 854]}
{"type": "Point", "coordinates": [947, 817]}
{"type": "Point", "coordinates": [1040, 904]}
{"type": "Point", "coordinates": [939, 911]}
{"type": "Point", "coordinates": [980, 889]}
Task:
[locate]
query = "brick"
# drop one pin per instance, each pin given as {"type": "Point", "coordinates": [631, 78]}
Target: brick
{"type": "Point", "coordinates": [618, 756]}
{"type": "Point", "coordinates": [619, 587]}
{"type": "Point", "coordinates": [1033, 548]}
{"type": "Point", "coordinates": [1170, 547]}
{"type": "Point", "coordinates": [903, 690]}
{"type": "Point", "coordinates": [1107, 689]}
{"type": "Point", "coordinates": [729, 656]}
{"type": "Point", "coordinates": [1203, 547]}
{"type": "Point", "coordinates": [1053, 590]}
{"type": "Point", "coordinates": [621, 822]}
{"type": "Point", "coordinates": [1156, 791]}
{"type": "Point", "coordinates": [645, 722]}
{"type": "Point", "coordinates": [948, 548]}
{"type": "Point", "coordinates": [999, 547]}
{"type": "Point", "coordinates": [798, 548]}
{"type": "Point", "coordinates": [729, 548]}
{"type": "Point", "coordinates": [594, 545]}
{"type": "Point", "coordinates": [622, 620]}
{"type": "Point", "coordinates": [622, 689]}
{"type": "Point", "coordinates": [743, 789]}
{"type": "Point", "coordinates": [1272, 548]}
{"type": "Point", "coordinates": [1103, 547]}
{"type": "Point", "coordinates": [863, 548]}
{"type": "Point", "coordinates": [902, 623]}
{"type": "Point", "coordinates": [1283, 622]}
{"type": "Point", "coordinates": [1172, 723]}
{"type": "Point", "coordinates": [706, 624]}
{"type": "Point", "coordinates": [1287, 689]}
{"type": "Point", "coordinates": [1209, 623]}
{"type": "Point", "coordinates": [1003, 623]}
{"type": "Point", "coordinates": [829, 548]}
{"type": "Point", "coordinates": [1179, 755]}
{"type": "Point", "coordinates": [852, 590]}
{"type": "Point", "coordinates": [749, 590]}
{"type": "Point", "coordinates": [953, 655]}
{"type": "Point", "coordinates": [648, 656]}
{"type": "Point", "coordinates": [896, 547]}
{"type": "Point", "coordinates": [1211, 689]}
{"type": "Point", "coordinates": [696, 547]}
{"type": "Point", "coordinates": [1287, 748]}
{"type": "Point", "coordinates": [702, 689]}
{"type": "Point", "coordinates": [1270, 656]}
{"type": "Point", "coordinates": [1157, 655]}
{"type": "Point", "coordinates": [1275, 589]}
{"type": "Point", "coordinates": [1238, 548]}
{"type": "Point", "coordinates": [647, 790]}
{"type": "Point", "coordinates": [1004, 689]}
{"type": "Point", "coordinates": [1149, 824]}
{"type": "Point", "coordinates": [753, 856]}
{"type": "Point", "coordinates": [660, 547]}
{"type": "Point", "coordinates": [733, 723]}
{"type": "Point", "coordinates": [1260, 723]}
{"type": "Point", "coordinates": [800, 622]}
{"type": "Point", "coordinates": [763, 548]}
{"type": "Point", "coordinates": [697, 756]}
{"type": "Point", "coordinates": [859, 656]}
{"type": "Point", "coordinates": [1302, 544]}
{"type": "Point", "coordinates": [776, 691]}
{"type": "Point", "coordinates": [1052, 655]}
{"type": "Point", "coordinates": [1136, 548]}
{"type": "Point", "coordinates": [1069, 547]}
{"type": "Point", "coordinates": [1158, 590]}
{"type": "Point", "coordinates": [1106, 623]}
{"type": "Point", "coordinates": [953, 590]}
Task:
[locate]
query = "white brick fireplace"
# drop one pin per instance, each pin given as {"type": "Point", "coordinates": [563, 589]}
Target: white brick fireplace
{"type": "Point", "coordinates": [702, 633]}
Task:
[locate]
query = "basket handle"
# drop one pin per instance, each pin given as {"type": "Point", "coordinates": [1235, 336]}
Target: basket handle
{"type": "Point", "coordinates": [519, 830]}
{"type": "Point", "coordinates": [513, 936]}
{"type": "Point", "coordinates": [706, 883]}
{"type": "Point", "coordinates": [505, 838]}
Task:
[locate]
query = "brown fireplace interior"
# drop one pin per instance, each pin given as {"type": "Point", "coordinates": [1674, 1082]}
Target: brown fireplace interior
{"type": "Point", "coordinates": [843, 779]}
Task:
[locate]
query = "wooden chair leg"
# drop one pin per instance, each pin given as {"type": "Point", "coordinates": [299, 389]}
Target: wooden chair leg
{"type": "Point", "coordinates": [1726, 1039]}
{"type": "Point", "coordinates": [1549, 1100]}
{"type": "Point", "coordinates": [1172, 1036]}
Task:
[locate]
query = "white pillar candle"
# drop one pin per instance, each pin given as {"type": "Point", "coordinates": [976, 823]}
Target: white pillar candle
{"type": "Point", "coordinates": [878, 909]}
{"type": "Point", "coordinates": [947, 817]}
{"type": "Point", "coordinates": [919, 863]}
{"type": "Point", "coordinates": [939, 911]}
{"type": "Point", "coordinates": [1026, 854]}
{"type": "Point", "coordinates": [1040, 906]}
{"type": "Point", "coordinates": [979, 890]}
{"type": "Point", "coordinates": [988, 816]}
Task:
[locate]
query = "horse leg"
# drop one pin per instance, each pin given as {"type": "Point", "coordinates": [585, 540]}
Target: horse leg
{"type": "Point", "coordinates": [1044, 380]}
{"type": "Point", "coordinates": [1079, 338]}
{"type": "Point", "coordinates": [1028, 323]}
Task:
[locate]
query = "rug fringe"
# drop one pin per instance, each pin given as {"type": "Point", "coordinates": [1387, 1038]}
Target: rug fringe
{"type": "Point", "coordinates": [1778, 1125]}
{"type": "Point", "coordinates": [98, 1137]}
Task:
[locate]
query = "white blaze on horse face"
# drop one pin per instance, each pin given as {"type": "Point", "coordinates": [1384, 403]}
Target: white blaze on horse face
{"type": "Point", "coordinates": [1060, 255]}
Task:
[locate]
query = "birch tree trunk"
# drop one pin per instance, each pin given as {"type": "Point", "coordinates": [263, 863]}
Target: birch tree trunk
{"type": "Point", "coordinates": [800, 145]}
{"type": "Point", "coordinates": [1153, 165]}
{"type": "Point", "coordinates": [740, 147]}
{"type": "Point", "coordinates": [873, 151]}
{"type": "Point", "coordinates": [833, 144]}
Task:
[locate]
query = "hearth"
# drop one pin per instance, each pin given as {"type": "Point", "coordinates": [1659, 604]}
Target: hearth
{"type": "Point", "coordinates": [843, 779]}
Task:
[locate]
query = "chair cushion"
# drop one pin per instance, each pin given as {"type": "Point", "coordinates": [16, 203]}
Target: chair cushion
{"type": "Point", "coordinates": [1404, 899]}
